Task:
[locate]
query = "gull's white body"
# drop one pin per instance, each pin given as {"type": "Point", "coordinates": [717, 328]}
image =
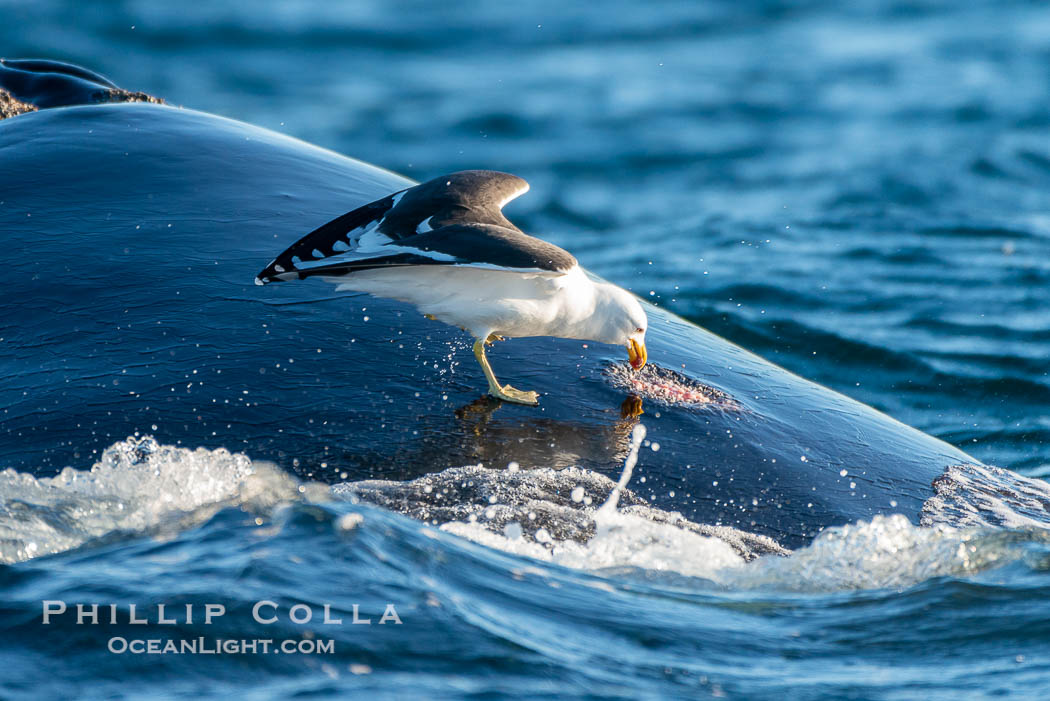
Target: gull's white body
{"type": "Point", "coordinates": [513, 304]}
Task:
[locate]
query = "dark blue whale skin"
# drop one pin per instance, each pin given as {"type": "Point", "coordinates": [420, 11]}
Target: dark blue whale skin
{"type": "Point", "coordinates": [132, 234]}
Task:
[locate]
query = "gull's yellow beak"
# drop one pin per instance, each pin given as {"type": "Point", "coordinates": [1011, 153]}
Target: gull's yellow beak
{"type": "Point", "coordinates": [636, 354]}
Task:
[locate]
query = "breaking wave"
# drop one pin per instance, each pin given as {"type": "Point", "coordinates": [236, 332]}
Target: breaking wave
{"type": "Point", "coordinates": [979, 518]}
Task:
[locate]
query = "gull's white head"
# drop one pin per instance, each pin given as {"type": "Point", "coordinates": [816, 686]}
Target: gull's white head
{"type": "Point", "coordinates": [621, 321]}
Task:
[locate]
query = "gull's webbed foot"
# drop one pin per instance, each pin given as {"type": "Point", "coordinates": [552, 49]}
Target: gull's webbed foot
{"type": "Point", "coordinates": [506, 393]}
{"type": "Point", "coordinates": [509, 394]}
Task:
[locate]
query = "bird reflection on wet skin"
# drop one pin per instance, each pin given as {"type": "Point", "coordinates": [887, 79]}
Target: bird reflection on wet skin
{"type": "Point", "coordinates": [631, 406]}
{"type": "Point", "coordinates": [598, 439]}
{"type": "Point", "coordinates": [482, 406]}
{"type": "Point", "coordinates": [548, 442]}
{"type": "Point", "coordinates": [487, 404]}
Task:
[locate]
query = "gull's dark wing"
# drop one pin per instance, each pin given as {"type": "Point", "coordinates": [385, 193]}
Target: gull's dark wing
{"type": "Point", "coordinates": [466, 197]}
{"type": "Point", "coordinates": [456, 219]}
{"type": "Point", "coordinates": [492, 246]}
{"type": "Point", "coordinates": [476, 245]}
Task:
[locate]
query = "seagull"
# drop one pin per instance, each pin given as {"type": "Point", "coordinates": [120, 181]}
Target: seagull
{"type": "Point", "coordinates": [445, 247]}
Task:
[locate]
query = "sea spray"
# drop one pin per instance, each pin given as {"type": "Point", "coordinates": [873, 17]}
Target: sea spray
{"type": "Point", "coordinates": [631, 539]}
{"type": "Point", "coordinates": [609, 507]}
{"type": "Point", "coordinates": [138, 486]}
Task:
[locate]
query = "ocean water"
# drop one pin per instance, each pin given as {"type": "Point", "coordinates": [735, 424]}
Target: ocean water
{"type": "Point", "coordinates": [859, 192]}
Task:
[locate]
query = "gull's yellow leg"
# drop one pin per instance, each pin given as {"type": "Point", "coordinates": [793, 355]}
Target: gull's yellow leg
{"type": "Point", "coordinates": [508, 393]}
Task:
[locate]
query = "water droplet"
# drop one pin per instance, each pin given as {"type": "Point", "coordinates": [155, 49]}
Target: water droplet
{"type": "Point", "coordinates": [512, 531]}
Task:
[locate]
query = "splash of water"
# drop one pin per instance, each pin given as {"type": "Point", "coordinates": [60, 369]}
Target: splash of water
{"type": "Point", "coordinates": [137, 486]}
{"type": "Point", "coordinates": [609, 507]}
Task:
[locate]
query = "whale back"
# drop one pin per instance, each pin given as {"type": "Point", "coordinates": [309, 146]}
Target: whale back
{"type": "Point", "coordinates": [132, 234]}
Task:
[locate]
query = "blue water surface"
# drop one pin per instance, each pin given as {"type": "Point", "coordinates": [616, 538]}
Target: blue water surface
{"type": "Point", "coordinates": [857, 191]}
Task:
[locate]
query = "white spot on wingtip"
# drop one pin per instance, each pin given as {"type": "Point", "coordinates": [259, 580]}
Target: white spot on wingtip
{"type": "Point", "coordinates": [424, 226]}
{"type": "Point", "coordinates": [259, 282]}
{"type": "Point", "coordinates": [279, 268]}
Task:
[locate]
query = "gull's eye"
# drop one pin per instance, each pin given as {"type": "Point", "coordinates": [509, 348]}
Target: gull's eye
{"type": "Point", "coordinates": [640, 330]}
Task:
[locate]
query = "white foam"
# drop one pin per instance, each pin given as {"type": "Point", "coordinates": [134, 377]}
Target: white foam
{"type": "Point", "coordinates": [137, 486]}
{"type": "Point", "coordinates": [886, 552]}
{"type": "Point", "coordinates": [622, 540]}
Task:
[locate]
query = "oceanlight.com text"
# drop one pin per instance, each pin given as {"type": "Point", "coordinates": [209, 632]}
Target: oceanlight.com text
{"type": "Point", "coordinates": [219, 646]}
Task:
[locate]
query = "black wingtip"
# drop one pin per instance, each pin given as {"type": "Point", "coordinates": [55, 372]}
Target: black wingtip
{"type": "Point", "coordinates": [266, 277]}
{"type": "Point", "coordinates": [321, 242]}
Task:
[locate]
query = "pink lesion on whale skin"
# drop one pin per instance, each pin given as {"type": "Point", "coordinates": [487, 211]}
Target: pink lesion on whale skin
{"type": "Point", "coordinates": [670, 391]}
{"type": "Point", "coordinates": [668, 386]}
